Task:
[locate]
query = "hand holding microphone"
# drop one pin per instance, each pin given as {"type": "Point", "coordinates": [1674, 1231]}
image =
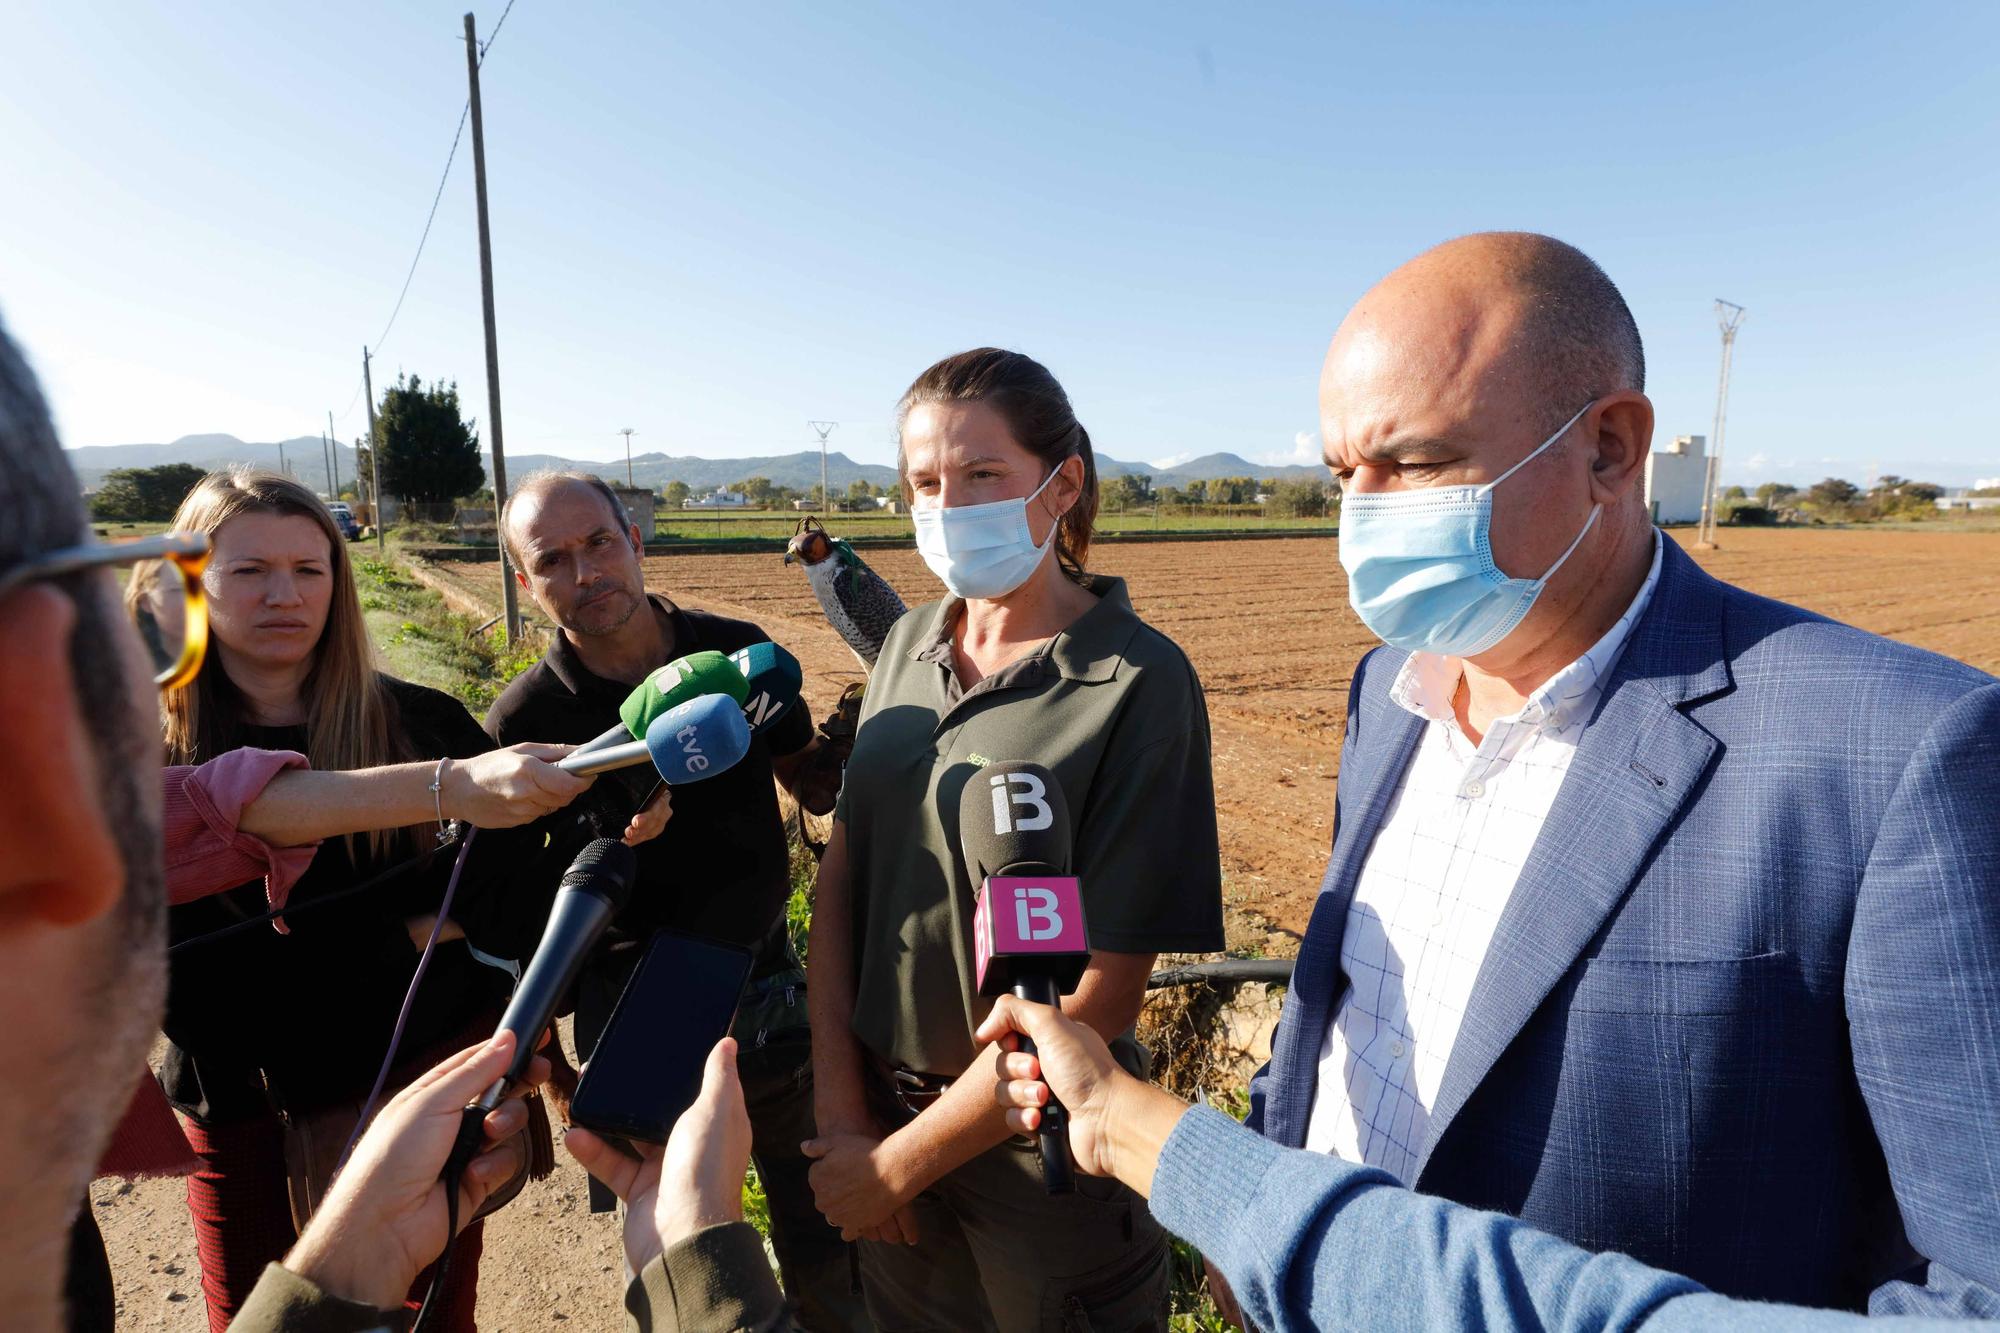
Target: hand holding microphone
{"type": "Point", "coordinates": [1028, 927]}
{"type": "Point", "coordinates": [386, 1215]}
{"type": "Point", "coordinates": [507, 787]}
{"type": "Point", "coordinates": [1050, 1058]}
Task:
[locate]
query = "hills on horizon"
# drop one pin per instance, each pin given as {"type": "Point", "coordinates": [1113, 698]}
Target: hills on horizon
{"type": "Point", "coordinates": [305, 458]}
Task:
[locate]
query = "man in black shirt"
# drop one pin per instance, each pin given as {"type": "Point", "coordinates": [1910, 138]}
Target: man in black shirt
{"type": "Point", "coordinates": [720, 867]}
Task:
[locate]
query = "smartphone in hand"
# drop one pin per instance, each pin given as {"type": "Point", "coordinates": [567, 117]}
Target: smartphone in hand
{"type": "Point", "coordinates": [646, 1069]}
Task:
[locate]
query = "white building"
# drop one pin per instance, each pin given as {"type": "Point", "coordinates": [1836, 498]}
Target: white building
{"type": "Point", "coordinates": [1676, 478]}
{"type": "Point", "coordinates": [717, 499]}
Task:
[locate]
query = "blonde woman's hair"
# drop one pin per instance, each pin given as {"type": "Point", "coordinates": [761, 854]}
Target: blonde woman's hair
{"type": "Point", "coordinates": [351, 718]}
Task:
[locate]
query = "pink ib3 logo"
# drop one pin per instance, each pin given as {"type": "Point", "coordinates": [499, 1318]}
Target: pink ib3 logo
{"type": "Point", "coordinates": [1034, 914]}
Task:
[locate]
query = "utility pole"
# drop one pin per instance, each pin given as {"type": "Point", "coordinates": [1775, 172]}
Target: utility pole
{"type": "Point", "coordinates": [374, 450]}
{"type": "Point", "coordinates": [825, 428]}
{"type": "Point", "coordinates": [335, 440]}
{"type": "Point", "coordinates": [628, 433]}
{"type": "Point", "coordinates": [326, 458]}
{"type": "Point", "coordinates": [1729, 318]}
{"type": "Point", "coordinates": [281, 459]}
{"type": "Point", "coordinates": [511, 611]}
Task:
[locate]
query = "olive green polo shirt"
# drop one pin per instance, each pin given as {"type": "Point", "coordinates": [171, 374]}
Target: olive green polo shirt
{"type": "Point", "coordinates": [1112, 707]}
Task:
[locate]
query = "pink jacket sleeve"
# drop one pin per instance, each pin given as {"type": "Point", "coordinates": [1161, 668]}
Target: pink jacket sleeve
{"type": "Point", "coordinates": [205, 851]}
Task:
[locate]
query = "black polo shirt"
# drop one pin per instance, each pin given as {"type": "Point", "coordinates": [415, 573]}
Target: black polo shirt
{"type": "Point", "coordinates": [721, 866]}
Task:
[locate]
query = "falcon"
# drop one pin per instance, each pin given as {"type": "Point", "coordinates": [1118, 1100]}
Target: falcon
{"type": "Point", "coordinates": [858, 602]}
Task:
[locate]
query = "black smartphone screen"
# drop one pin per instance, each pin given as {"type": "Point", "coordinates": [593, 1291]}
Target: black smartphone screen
{"type": "Point", "coordinates": [646, 1069]}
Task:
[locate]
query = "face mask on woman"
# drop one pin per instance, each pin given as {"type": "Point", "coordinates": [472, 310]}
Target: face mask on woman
{"type": "Point", "coordinates": [984, 550]}
{"type": "Point", "coordinates": [1420, 569]}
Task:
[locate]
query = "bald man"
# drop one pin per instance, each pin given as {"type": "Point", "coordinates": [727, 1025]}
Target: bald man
{"type": "Point", "coordinates": [1659, 915]}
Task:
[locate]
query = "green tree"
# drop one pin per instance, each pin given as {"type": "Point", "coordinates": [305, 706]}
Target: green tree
{"type": "Point", "coordinates": [430, 454]}
{"type": "Point", "coordinates": [1170, 495]}
{"type": "Point", "coordinates": [1132, 491]}
{"type": "Point", "coordinates": [1899, 497]}
{"type": "Point", "coordinates": [676, 492]}
{"type": "Point", "coordinates": [860, 490]}
{"type": "Point", "coordinates": [144, 494]}
{"type": "Point", "coordinates": [1298, 499]}
{"type": "Point", "coordinates": [1775, 493]}
{"type": "Point", "coordinates": [1735, 493]}
{"type": "Point", "coordinates": [757, 490]}
{"type": "Point", "coordinates": [1833, 492]}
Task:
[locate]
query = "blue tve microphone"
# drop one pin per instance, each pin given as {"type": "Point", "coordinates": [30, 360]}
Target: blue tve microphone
{"type": "Point", "coordinates": [774, 678]}
{"type": "Point", "coordinates": [687, 743]}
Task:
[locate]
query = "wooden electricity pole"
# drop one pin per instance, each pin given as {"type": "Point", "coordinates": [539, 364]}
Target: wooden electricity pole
{"type": "Point", "coordinates": [374, 450]}
{"type": "Point", "coordinates": [335, 441]}
{"type": "Point", "coordinates": [511, 611]}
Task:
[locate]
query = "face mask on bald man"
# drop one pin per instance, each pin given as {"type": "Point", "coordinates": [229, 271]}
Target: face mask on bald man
{"type": "Point", "coordinates": [1420, 570]}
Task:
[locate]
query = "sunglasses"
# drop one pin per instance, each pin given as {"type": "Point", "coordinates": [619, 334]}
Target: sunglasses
{"type": "Point", "coordinates": [163, 593]}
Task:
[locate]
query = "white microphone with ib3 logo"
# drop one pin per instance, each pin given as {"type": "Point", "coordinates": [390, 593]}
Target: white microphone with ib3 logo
{"type": "Point", "coordinates": [1028, 929]}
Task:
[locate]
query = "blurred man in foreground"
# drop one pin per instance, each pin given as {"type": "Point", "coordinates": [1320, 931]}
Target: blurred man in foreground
{"type": "Point", "coordinates": [82, 902]}
{"type": "Point", "coordinates": [82, 929]}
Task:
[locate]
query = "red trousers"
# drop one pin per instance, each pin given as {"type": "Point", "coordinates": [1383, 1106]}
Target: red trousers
{"type": "Point", "coordinates": [243, 1221]}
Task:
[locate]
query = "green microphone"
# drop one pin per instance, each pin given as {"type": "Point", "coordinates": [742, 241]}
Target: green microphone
{"type": "Point", "coordinates": [680, 680]}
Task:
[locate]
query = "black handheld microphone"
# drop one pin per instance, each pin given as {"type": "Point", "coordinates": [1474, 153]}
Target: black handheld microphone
{"type": "Point", "coordinates": [1028, 931]}
{"type": "Point", "coordinates": [593, 891]}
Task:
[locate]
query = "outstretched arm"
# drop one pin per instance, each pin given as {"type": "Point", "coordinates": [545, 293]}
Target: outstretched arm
{"type": "Point", "coordinates": [1310, 1241]}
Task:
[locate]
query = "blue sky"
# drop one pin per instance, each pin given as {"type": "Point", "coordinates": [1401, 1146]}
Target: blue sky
{"type": "Point", "coordinates": [713, 222]}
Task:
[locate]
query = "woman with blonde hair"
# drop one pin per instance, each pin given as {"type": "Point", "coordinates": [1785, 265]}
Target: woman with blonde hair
{"type": "Point", "coordinates": [277, 1030]}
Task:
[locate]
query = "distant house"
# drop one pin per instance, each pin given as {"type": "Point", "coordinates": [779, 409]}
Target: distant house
{"type": "Point", "coordinates": [1676, 479]}
{"type": "Point", "coordinates": [717, 499]}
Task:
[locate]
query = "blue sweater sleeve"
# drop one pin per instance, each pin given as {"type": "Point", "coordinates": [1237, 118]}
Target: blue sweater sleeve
{"type": "Point", "coordinates": [1309, 1241]}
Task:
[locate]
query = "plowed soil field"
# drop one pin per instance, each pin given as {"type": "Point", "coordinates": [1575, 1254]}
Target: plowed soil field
{"type": "Point", "coordinates": [1267, 626]}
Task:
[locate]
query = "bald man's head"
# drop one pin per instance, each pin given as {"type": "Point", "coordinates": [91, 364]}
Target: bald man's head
{"type": "Point", "coordinates": [1565, 322]}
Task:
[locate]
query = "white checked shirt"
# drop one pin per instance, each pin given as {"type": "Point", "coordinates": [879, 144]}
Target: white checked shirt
{"type": "Point", "coordinates": [1439, 873]}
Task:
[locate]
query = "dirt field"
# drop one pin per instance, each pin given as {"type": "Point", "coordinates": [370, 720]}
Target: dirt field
{"type": "Point", "coordinates": [1267, 626]}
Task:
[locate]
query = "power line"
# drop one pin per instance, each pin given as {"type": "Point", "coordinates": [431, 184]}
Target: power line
{"type": "Point", "coordinates": [428, 220]}
{"type": "Point", "coordinates": [436, 198]}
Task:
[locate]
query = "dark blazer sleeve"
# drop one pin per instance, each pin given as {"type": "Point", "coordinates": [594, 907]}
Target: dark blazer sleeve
{"type": "Point", "coordinates": [1923, 1004]}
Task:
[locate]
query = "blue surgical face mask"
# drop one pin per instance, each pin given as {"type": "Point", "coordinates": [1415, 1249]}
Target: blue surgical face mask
{"type": "Point", "coordinates": [983, 550]}
{"type": "Point", "coordinates": [1420, 569]}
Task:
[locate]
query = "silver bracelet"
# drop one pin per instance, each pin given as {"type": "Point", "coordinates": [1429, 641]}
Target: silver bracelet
{"type": "Point", "coordinates": [437, 794]}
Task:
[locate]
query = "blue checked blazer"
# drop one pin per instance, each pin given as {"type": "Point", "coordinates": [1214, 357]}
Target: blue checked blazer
{"type": "Point", "coordinates": [1741, 1017]}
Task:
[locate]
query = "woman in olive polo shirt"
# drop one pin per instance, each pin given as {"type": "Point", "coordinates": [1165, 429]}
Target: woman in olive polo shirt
{"type": "Point", "coordinates": [1032, 659]}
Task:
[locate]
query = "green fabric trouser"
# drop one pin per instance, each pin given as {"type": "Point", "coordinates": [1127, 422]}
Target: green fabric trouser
{"type": "Point", "coordinates": [774, 1060]}
{"type": "Point", "coordinates": [996, 1251]}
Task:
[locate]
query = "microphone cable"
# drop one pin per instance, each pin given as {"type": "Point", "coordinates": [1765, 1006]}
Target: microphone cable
{"type": "Point", "coordinates": [327, 900]}
{"type": "Point", "coordinates": [452, 1172]}
{"type": "Point", "coordinates": [410, 997]}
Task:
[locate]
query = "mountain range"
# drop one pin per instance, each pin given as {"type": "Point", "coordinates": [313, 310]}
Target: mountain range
{"type": "Point", "coordinates": [305, 458]}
